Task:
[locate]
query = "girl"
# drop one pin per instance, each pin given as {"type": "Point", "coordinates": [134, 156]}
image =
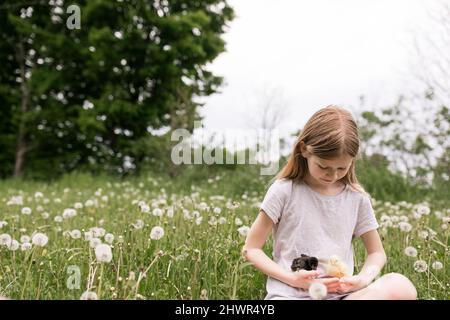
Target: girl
{"type": "Point", "coordinates": [316, 207]}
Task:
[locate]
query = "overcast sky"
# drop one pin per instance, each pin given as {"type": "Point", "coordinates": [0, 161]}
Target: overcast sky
{"type": "Point", "coordinates": [317, 52]}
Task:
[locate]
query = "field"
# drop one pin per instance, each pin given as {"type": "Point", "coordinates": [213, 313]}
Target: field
{"type": "Point", "coordinates": [166, 239]}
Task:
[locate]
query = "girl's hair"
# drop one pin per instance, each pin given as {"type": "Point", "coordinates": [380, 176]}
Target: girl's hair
{"type": "Point", "coordinates": [329, 133]}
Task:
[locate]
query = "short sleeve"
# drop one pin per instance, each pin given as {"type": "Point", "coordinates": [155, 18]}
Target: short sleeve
{"type": "Point", "coordinates": [275, 199]}
{"type": "Point", "coordinates": [366, 220]}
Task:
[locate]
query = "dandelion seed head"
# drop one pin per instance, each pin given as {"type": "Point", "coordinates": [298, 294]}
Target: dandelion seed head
{"type": "Point", "coordinates": [156, 233]}
{"type": "Point", "coordinates": [39, 239]}
{"type": "Point", "coordinates": [103, 253]}
{"type": "Point", "coordinates": [317, 291]}
{"type": "Point", "coordinates": [420, 266]}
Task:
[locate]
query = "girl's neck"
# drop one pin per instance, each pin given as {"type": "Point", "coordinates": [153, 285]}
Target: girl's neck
{"type": "Point", "coordinates": [329, 190]}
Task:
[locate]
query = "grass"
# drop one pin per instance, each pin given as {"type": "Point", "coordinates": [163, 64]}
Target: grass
{"type": "Point", "coordinates": [195, 259]}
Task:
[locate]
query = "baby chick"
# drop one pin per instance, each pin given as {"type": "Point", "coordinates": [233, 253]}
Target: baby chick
{"type": "Point", "coordinates": [336, 268]}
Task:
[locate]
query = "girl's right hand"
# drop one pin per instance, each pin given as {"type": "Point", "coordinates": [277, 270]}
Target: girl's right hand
{"type": "Point", "coordinates": [303, 278]}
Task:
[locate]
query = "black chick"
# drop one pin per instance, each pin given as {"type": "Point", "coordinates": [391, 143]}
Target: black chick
{"type": "Point", "coordinates": [305, 262]}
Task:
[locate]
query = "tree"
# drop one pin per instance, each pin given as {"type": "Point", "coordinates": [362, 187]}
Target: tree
{"type": "Point", "coordinates": [88, 97]}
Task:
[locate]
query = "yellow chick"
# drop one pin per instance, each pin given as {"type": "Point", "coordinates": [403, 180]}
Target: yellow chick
{"type": "Point", "coordinates": [336, 268]}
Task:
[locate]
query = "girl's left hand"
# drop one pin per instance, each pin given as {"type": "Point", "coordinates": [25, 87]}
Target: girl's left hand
{"type": "Point", "coordinates": [352, 283]}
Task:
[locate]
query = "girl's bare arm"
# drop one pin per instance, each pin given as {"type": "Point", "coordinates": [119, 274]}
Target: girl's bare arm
{"type": "Point", "coordinates": [252, 251]}
{"type": "Point", "coordinates": [376, 257]}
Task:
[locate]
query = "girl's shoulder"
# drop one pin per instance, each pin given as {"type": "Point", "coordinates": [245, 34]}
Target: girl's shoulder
{"type": "Point", "coordinates": [281, 186]}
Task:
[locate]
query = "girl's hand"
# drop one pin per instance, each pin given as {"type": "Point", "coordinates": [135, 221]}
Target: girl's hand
{"type": "Point", "coordinates": [352, 283]}
{"type": "Point", "coordinates": [302, 279]}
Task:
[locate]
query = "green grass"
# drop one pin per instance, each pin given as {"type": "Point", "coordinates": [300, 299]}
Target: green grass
{"type": "Point", "coordinates": [191, 261]}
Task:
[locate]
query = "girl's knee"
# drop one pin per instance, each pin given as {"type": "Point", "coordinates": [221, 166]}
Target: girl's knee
{"type": "Point", "coordinates": [398, 287]}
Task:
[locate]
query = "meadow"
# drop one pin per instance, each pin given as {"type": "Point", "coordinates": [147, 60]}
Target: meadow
{"type": "Point", "coordinates": [150, 237]}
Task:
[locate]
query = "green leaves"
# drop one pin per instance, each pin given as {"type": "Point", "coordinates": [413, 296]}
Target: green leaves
{"type": "Point", "coordinates": [127, 60]}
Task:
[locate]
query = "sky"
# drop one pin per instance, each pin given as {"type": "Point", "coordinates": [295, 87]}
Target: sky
{"type": "Point", "coordinates": [316, 53]}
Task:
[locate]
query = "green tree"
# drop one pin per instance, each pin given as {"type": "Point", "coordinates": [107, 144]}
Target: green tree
{"type": "Point", "coordinates": [88, 97]}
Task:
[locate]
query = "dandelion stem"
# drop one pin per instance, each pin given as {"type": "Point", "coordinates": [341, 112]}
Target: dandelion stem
{"type": "Point", "coordinates": [28, 273]}
{"type": "Point", "coordinates": [142, 275]}
{"type": "Point", "coordinates": [100, 282]}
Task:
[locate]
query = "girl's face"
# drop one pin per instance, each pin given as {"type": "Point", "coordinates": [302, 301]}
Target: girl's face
{"type": "Point", "coordinates": [327, 171]}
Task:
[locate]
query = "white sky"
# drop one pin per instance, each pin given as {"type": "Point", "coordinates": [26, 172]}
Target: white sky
{"type": "Point", "coordinates": [318, 52]}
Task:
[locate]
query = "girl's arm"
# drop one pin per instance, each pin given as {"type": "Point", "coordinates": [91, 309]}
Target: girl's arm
{"type": "Point", "coordinates": [376, 257]}
{"type": "Point", "coordinates": [252, 250]}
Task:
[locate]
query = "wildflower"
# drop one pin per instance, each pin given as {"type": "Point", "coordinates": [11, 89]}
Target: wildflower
{"type": "Point", "coordinates": [198, 220]}
{"type": "Point", "coordinates": [420, 266]}
{"type": "Point", "coordinates": [217, 210]}
{"type": "Point", "coordinates": [45, 215]}
{"type": "Point", "coordinates": [243, 231]}
{"type": "Point", "coordinates": [25, 246]}
{"type": "Point", "coordinates": [411, 251]}
{"type": "Point", "coordinates": [423, 234]}
{"type": "Point", "coordinates": [437, 265]}
{"type": "Point", "coordinates": [95, 242]}
{"type": "Point", "coordinates": [139, 224]}
{"type": "Point", "coordinates": [25, 239]}
{"type": "Point", "coordinates": [14, 245]}
{"type": "Point", "coordinates": [89, 295]}
{"type": "Point", "coordinates": [145, 208]}
{"type": "Point", "coordinates": [212, 221]}
{"type": "Point", "coordinates": [423, 210]}
{"type": "Point", "coordinates": [109, 237]}
{"type": "Point", "coordinates": [405, 226]}
{"type": "Point", "coordinates": [222, 220]}
{"type": "Point", "coordinates": [169, 213]}
{"type": "Point", "coordinates": [89, 203]}
{"type": "Point", "coordinates": [26, 211]}
{"type": "Point", "coordinates": [58, 219]}
{"type": "Point", "coordinates": [98, 232]}
{"type": "Point", "coordinates": [417, 215]}
{"type": "Point", "coordinates": [3, 224]}
{"type": "Point", "coordinates": [156, 233]}
{"type": "Point", "coordinates": [39, 239]}
{"type": "Point", "coordinates": [103, 253]}
{"type": "Point", "coordinates": [238, 221]}
{"type": "Point", "coordinates": [88, 235]}
{"type": "Point", "coordinates": [5, 239]}
{"type": "Point", "coordinates": [438, 214]}
{"type": "Point", "coordinates": [202, 206]}
{"type": "Point", "coordinates": [157, 212]}
{"type": "Point", "coordinates": [69, 213]}
{"type": "Point", "coordinates": [186, 214]}
{"type": "Point", "coordinates": [317, 291]}
{"type": "Point", "coordinates": [75, 234]}
{"type": "Point", "coordinates": [78, 205]}
{"type": "Point", "coordinates": [15, 200]}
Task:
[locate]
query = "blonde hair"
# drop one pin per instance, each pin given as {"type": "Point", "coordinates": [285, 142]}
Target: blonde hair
{"type": "Point", "coordinates": [329, 133]}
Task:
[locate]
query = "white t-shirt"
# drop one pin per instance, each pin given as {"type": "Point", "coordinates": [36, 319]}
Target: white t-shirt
{"type": "Point", "coordinates": [314, 224]}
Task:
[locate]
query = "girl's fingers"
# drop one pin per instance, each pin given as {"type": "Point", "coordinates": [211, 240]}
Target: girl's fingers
{"type": "Point", "coordinates": [329, 280]}
{"type": "Point", "coordinates": [311, 274]}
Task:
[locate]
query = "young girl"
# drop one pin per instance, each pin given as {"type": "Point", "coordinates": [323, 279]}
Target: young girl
{"type": "Point", "coordinates": [316, 207]}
